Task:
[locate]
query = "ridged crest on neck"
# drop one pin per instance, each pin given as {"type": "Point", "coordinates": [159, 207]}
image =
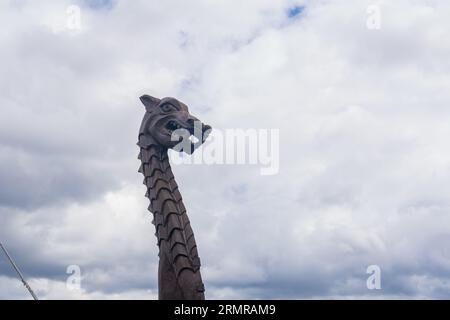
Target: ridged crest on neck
{"type": "Point", "coordinates": [170, 218]}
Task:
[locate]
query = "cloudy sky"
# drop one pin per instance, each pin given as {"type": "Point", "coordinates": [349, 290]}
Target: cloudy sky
{"type": "Point", "coordinates": [363, 110]}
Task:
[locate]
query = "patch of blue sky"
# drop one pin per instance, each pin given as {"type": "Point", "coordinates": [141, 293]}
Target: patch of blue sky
{"type": "Point", "coordinates": [100, 4]}
{"type": "Point", "coordinates": [295, 11]}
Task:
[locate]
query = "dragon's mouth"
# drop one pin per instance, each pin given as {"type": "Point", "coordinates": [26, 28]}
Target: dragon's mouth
{"type": "Point", "coordinates": [196, 132]}
{"type": "Point", "coordinates": [173, 125]}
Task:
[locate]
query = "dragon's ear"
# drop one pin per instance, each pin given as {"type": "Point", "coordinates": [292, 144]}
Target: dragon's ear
{"type": "Point", "coordinates": [149, 102]}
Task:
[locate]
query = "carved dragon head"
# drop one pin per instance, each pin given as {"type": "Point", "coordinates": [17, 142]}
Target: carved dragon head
{"type": "Point", "coordinates": [168, 123]}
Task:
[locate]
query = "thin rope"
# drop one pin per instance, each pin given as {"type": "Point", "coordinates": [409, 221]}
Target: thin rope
{"type": "Point", "coordinates": [25, 283]}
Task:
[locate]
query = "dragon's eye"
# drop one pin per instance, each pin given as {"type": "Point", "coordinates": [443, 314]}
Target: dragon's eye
{"type": "Point", "coordinates": [168, 107]}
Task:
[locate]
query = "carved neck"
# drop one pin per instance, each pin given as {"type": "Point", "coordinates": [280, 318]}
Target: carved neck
{"type": "Point", "coordinates": [175, 236]}
{"type": "Point", "coordinates": [158, 176]}
{"type": "Point", "coordinates": [152, 155]}
{"type": "Point", "coordinates": [157, 157]}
